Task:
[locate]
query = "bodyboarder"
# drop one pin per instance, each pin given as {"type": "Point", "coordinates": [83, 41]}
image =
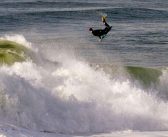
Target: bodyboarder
{"type": "Point", "coordinates": [101, 33]}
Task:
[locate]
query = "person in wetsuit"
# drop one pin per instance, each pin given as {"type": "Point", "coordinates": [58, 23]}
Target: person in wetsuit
{"type": "Point", "coordinates": [101, 33]}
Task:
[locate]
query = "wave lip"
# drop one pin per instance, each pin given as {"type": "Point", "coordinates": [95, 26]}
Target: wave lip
{"type": "Point", "coordinates": [11, 51]}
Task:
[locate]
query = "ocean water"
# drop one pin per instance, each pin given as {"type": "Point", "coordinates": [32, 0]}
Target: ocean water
{"type": "Point", "coordinates": [75, 85]}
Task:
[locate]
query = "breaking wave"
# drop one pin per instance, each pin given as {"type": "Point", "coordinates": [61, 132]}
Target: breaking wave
{"type": "Point", "coordinates": [72, 96]}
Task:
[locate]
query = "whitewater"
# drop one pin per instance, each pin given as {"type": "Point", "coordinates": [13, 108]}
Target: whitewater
{"type": "Point", "coordinates": [66, 96]}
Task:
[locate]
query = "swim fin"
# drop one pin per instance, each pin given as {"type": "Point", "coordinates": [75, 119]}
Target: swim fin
{"type": "Point", "coordinates": [104, 18]}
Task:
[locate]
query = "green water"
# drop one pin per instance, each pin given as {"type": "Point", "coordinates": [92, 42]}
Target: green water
{"type": "Point", "coordinates": [146, 76]}
{"type": "Point", "coordinates": [11, 52]}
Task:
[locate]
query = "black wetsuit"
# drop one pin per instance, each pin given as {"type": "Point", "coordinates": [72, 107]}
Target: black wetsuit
{"type": "Point", "coordinates": [102, 32]}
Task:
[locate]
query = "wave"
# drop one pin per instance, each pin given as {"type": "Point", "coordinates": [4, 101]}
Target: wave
{"type": "Point", "coordinates": [32, 17]}
{"type": "Point", "coordinates": [11, 51]}
{"type": "Point", "coordinates": [51, 4]}
{"type": "Point", "coordinates": [89, 10]}
{"type": "Point", "coordinates": [151, 79]}
{"type": "Point", "coordinates": [136, 14]}
{"type": "Point", "coordinates": [74, 97]}
{"type": "Point", "coordinates": [145, 76]}
{"type": "Point", "coordinates": [41, 6]}
{"type": "Point", "coordinates": [18, 39]}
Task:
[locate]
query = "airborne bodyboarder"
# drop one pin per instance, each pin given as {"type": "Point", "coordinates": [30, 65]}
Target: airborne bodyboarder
{"type": "Point", "coordinates": [101, 33]}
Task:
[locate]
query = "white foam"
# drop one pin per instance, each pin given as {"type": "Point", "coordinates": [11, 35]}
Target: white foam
{"type": "Point", "coordinates": [2, 135]}
{"type": "Point", "coordinates": [26, 70]}
{"type": "Point", "coordinates": [75, 98]}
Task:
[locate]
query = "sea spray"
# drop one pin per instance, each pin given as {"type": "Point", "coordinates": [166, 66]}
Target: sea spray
{"type": "Point", "coordinates": [76, 98]}
{"type": "Point", "coordinates": [162, 87]}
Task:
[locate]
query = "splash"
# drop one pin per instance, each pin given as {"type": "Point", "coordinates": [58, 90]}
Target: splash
{"type": "Point", "coordinates": [73, 97]}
